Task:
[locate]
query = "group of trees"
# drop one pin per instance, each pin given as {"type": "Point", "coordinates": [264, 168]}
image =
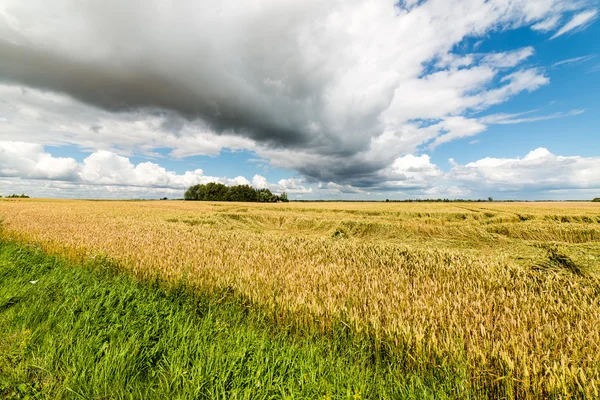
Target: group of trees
{"type": "Point", "coordinates": [17, 196]}
{"type": "Point", "coordinates": [596, 200]}
{"type": "Point", "coordinates": [219, 192]}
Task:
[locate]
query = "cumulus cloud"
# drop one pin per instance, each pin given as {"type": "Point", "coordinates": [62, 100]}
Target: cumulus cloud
{"type": "Point", "coordinates": [335, 90]}
{"type": "Point", "coordinates": [293, 186]}
{"type": "Point", "coordinates": [102, 168]}
{"type": "Point", "coordinates": [411, 172]}
{"type": "Point", "coordinates": [28, 168]}
{"type": "Point", "coordinates": [106, 168]}
{"type": "Point", "coordinates": [28, 160]}
{"type": "Point", "coordinates": [259, 182]}
{"type": "Point", "coordinates": [539, 170]}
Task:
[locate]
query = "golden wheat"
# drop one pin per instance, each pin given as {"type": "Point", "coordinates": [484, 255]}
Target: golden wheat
{"type": "Point", "coordinates": [510, 289]}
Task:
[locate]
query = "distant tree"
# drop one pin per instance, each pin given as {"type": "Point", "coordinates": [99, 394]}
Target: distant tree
{"type": "Point", "coordinates": [191, 193]}
{"type": "Point", "coordinates": [265, 196]}
{"type": "Point", "coordinates": [211, 192]}
{"type": "Point", "coordinates": [219, 192]}
{"type": "Point", "coordinates": [490, 199]}
{"type": "Point", "coordinates": [216, 192]}
{"type": "Point", "coordinates": [200, 192]}
{"type": "Point", "coordinates": [284, 197]}
{"type": "Point", "coordinates": [241, 193]}
{"type": "Point", "coordinates": [16, 196]}
{"type": "Point", "coordinates": [596, 200]}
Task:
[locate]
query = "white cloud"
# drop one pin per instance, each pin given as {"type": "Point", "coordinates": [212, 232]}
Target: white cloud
{"type": "Point", "coordinates": [104, 167]}
{"type": "Point", "coordinates": [337, 94]}
{"type": "Point", "coordinates": [259, 182]}
{"type": "Point", "coordinates": [444, 94]}
{"type": "Point", "coordinates": [411, 172]}
{"type": "Point", "coordinates": [26, 167]}
{"type": "Point", "coordinates": [62, 189]}
{"type": "Point", "coordinates": [509, 59]}
{"type": "Point", "coordinates": [444, 192]}
{"type": "Point", "coordinates": [578, 21]}
{"type": "Point", "coordinates": [573, 60]}
{"type": "Point", "coordinates": [539, 170]}
{"type": "Point", "coordinates": [293, 186]}
{"type": "Point", "coordinates": [238, 180]}
{"type": "Point", "coordinates": [524, 80]}
{"type": "Point", "coordinates": [547, 24]}
{"type": "Point", "coordinates": [29, 160]}
{"type": "Point", "coordinates": [103, 174]}
{"type": "Point", "coordinates": [505, 119]}
{"type": "Point", "coordinates": [290, 185]}
{"type": "Point", "coordinates": [101, 168]}
{"type": "Point", "coordinates": [456, 128]}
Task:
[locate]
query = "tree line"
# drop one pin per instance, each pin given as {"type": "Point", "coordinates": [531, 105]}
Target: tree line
{"type": "Point", "coordinates": [16, 196]}
{"type": "Point", "coordinates": [219, 192]}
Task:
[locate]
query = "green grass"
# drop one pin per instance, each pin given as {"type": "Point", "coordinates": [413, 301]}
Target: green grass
{"type": "Point", "coordinates": [92, 332]}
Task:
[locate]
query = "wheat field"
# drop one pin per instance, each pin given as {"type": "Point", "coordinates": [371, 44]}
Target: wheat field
{"type": "Point", "coordinates": [508, 294]}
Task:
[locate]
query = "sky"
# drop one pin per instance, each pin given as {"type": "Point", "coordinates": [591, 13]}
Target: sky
{"type": "Point", "coordinates": [352, 99]}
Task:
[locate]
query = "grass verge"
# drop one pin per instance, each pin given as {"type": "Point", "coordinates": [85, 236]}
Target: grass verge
{"type": "Point", "coordinates": [88, 332]}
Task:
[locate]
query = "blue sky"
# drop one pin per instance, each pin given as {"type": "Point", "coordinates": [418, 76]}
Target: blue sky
{"type": "Point", "coordinates": [344, 100]}
{"type": "Point", "coordinates": [573, 86]}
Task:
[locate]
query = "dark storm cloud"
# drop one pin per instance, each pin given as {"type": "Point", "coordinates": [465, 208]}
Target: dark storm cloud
{"type": "Point", "coordinates": [96, 128]}
{"type": "Point", "coordinates": [325, 88]}
{"type": "Point", "coordinates": [119, 89]}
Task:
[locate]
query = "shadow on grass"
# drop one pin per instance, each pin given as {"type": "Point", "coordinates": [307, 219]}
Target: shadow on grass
{"type": "Point", "coordinates": [69, 331]}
